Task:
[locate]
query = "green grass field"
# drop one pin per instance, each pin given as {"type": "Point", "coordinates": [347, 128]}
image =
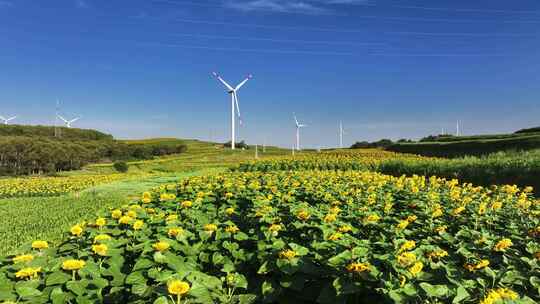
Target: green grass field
{"type": "Point", "coordinates": [199, 155]}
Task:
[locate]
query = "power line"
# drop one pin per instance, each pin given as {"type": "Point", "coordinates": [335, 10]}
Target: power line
{"type": "Point", "coordinates": [280, 40]}
{"type": "Point", "coordinates": [307, 52]}
{"type": "Point", "coordinates": [387, 18]}
{"type": "Point", "coordinates": [465, 10]}
{"type": "Point", "coordinates": [464, 34]}
{"type": "Point", "coordinates": [338, 30]}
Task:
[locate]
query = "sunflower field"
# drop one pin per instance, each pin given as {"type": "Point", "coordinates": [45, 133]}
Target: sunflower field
{"type": "Point", "coordinates": [53, 186]}
{"type": "Point", "coordinates": [360, 159]}
{"type": "Point", "coordinates": [294, 237]}
{"type": "Point", "coordinates": [520, 168]}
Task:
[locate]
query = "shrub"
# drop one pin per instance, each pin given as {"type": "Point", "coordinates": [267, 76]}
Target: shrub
{"type": "Point", "coordinates": [121, 166]}
{"type": "Point", "coordinates": [383, 143]}
{"type": "Point", "coordinates": [238, 145]}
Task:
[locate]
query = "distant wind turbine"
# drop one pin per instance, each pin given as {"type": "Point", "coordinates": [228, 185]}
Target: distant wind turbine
{"type": "Point", "coordinates": [341, 133]}
{"type": "Point", "coordinates": [457, 128]}
{"type": "Point", "coordinates": [7, 120]}
{"type": "Point", "coordinates": [298, 126]}
{"type": "Point", "coordinates": [234, 101]}
{"type": "Point", "coordinates": [68, 122]}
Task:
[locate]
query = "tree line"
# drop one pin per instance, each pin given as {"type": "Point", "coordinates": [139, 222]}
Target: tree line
{"type": "Point", "coordinates": [21, 155]}
{"type": "Point", "coordinates": [383, 143]}
{"type": "Point", "coordinates": [52, 131]}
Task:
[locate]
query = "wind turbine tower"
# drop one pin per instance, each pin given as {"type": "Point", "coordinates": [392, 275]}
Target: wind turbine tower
{"type": "Point", "coordinates": [341, 132]}
{"type": "Point", "coordinates": [56, 113]}
{"type": "Point", "coordinates": [298, 126]}
{"type": "Point", "coordinates": [234, 101]}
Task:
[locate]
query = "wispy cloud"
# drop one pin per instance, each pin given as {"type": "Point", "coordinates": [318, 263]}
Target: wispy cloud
{"type": "Point", "coordinates": [345, 1]}
{"type": "Point", "coordinates": [278, 6]}
{"type": "Point", "coordinates": [5, 3]}
{"type": "Point", "coordinates": [311, 7]}
{"type": "Point", "coordinates": [82, 4]}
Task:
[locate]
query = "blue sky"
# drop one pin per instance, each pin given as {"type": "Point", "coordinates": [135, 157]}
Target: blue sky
{"type": "Point", "coordinates": [386, 68]}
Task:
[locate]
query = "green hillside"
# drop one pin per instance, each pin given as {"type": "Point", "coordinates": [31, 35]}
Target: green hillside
{"type": "Point", "coordinates": [470, 145]}
{"type": "Point", "coordinates": [199, 154]}
{"type": "Point", "coordinates": [451, 138]}
{"type": "Point", "coordinates": [529, 130]}
{"type": "Point", "coordinates": [53, 132]}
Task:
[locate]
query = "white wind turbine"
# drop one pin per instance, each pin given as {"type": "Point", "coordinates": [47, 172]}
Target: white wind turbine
{"type": "Point", "coordinates": [298, 126]}
{"type": "Point", "coordinates": [341, 133]}
{"type": "Point", "coordinates": [7, 120]}
{"type": "Point", "coordinates": [234, 101]}
{"type": "Point", "coordinates": [68, 122]}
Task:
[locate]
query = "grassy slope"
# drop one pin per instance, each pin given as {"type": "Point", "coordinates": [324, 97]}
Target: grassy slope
{"type": "Point", "coordinates": [198, 156]}
{"type": "Point", "coordinates": [47, 218]}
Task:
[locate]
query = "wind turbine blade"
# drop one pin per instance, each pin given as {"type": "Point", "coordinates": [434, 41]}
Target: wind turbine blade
{"type": "Point", "coordinates": [237, 107]}
{"type": "Point", "coordinates": [296, 120]}
{"type": "Point", "coordinates": [243, 82]}
{"type": "Point", "coordinates": [11, 118]}
{"type": "Point", "coordinates": [2, 118]}
{"type": "Point", "coordinates": [223, 81]}
{"type": "Point", "coordinates": [74, 120]}
{"type": "Point", "coordinates": [62, 118]}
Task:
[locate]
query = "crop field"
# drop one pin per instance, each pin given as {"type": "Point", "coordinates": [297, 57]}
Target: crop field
{"type": "Point", "coordinates": [361, 159]}
{"type": "Point", "coordinates": [52, 186]}
{"type": "Point", "coordinates": [519, 168]}
{"type": "Point", "coordinates": [42, 207]}
{"type": "Point", "coordinates": [314, 227]}
{"type": "Point", "coordinates": [47, 217]}
{"type": "Point", "coordinates": [302, 236]}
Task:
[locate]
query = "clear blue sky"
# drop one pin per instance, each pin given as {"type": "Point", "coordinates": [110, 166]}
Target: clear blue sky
{"type": "Point", "coordinates": [387, 68]}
